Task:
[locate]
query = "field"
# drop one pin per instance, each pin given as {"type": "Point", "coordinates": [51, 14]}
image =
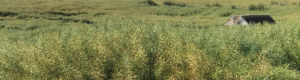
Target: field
{"type": "Point", "coordinates": [132, 40]}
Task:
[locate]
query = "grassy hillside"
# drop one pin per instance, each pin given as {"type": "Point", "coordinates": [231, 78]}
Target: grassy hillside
{"type": "Point", "coordinates": [132, 40]}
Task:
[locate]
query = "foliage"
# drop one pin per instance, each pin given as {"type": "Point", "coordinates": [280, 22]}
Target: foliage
{"type": "Point", "coordinates": [283, 4]}
{"type": "Point", "coordinates": [217, 5]}
{"type": "Point", "coordinates": [208, 5]}
{"type": "Point", "coordinates": [139, 50]}
{"type": "Point", "coordinates": [213, 5]}
{"type": "Point", "coordinates": [274, 3]}
{"type": "Point", "coordinates": [294, 3]}
{"type": "Point", "coordinates": [259, 7]}
{"type": "Point", "coordinates": [150, 2]}
{"type": "Point", "coordinates": [175, 11]}
{"type": "Point", "coordinates": [226, 14]}
{"type": "Point", "coordinates": [233, 7]}
{"type": "Point", "coordinates": [169, 3]}
{"type": "Point", "coordinates": [97, 40]}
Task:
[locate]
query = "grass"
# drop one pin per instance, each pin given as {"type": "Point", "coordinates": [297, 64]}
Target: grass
{"type": "Point", "coordinates": [127, 50]}
{"type": "Point", "coordinates": [135, 41]}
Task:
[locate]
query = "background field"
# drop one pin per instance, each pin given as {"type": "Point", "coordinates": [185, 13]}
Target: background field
{"type": "Point", "coordinates": [132, 40]}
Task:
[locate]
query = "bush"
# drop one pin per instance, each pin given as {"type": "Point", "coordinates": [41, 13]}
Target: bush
{"type": "Point", "coordinates": [260, 7]}
{"type": "Point", "coordinates": [208, 5]}
{"type": "Point", "coordinates": [225, 14]}
{"type": "Point", "coordinates": [152, 3]}
{"type": "Point", "coordinates": [294, 3]}
{"type": "Point", "coordinates": [217, 5]}
{"type": "Point", "coordinates": [299, 4]}
{"type": "Point", "coordinates": [181, 4]}
{"type": "Point", "coordinates": [252, 7]}
{"type": "Point", "coordinates": [274, 2]}
{"type": "Point", "coordinates": [283, 4]}
{"type": "Point", "coordinates": [169, 3]}
{"type": "Point", "coordinates": [233, 7]}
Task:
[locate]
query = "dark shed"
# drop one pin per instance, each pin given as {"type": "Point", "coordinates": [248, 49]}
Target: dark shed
{"type": "Point", "coordinates": [249, 19]}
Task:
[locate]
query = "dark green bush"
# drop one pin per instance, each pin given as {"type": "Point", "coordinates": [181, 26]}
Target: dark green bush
{"type": "Point", "coordinates": [225, 14]}
{"type": "Point", "coordinates": [181, 4]}
{"type": "Point", "coordinates": [169, 3]}
{"type": "Point", "coordinates": [294, 3]}
{"type": "Point", "coordinates": [252, 7]}
{"type": "Point", "coordinates": [233, 7]}
{"type": "Point", "coordinates": [274, 2]}
{"type": "Point", "coordinates": [152, 3]}
{"type": "Point", "coordinates": [259, 7]}
{"type": "Point", "coordinates": [208, 5]}
{"type": "Point", "coordinates": [217, 5]}
{"type": "Point", "coordinates": [283, 4]}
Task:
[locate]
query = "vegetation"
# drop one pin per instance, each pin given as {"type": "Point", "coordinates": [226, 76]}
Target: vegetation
{"type": "Point", "coordinates": [93, 39]}
{"type": "Point", "coordinates": [233, 7]}
{"type": "Point", "coordinates": [213, 5]}
{"type": "Point", "coordinates": [260, 7]}
{"type": "Point", "coordinates": [169, 3]}
{"type": "Point", "coordinates": [274, 3]}
{"type": "Point", "coordinates": [150, 2]}
{"type": "Point", "coordinates": [217, 5]}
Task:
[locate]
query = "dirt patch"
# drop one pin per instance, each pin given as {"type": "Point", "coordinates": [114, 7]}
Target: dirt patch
{"type": "Point", "coordinates": [4, 14]}
{"type": "Point", "coordinates": [66, 14]}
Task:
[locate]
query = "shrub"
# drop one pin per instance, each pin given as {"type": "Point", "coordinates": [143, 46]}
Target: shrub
{"type": "Point", "coordinates": [294, 3]}
{"type": "Point", "coordinates": [260, 7]}
{"type": "Point", "coordinates": [217, 5]}
{"type": "Point", "coordinates": [274, 2]}
{"type": "Point", "coordinates": [299, 4]}
{"type": "Point", "coordinates": [233, 7]}
{"type": "Point", "coordinates": [252, 7]}
{"type": "Point", "coordinates": [208, 5]}
{"type": "Point", "coordinates": [169, 3]}
{"type": "Point", "coordinates": [225, 14]}
{"type": "Point", "coordinates": [181, 4]}
{"type": "Point", "coordinates": [282, 4]}
{"type": "Point", "coordinates": [152, 3]}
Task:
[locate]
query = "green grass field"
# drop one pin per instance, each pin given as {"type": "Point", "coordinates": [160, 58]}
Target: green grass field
{"type": "Point", "coordinates": [132, 40]}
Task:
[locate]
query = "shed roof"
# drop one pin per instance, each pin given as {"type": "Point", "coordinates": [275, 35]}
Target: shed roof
{"type": "Point", "coordinates": [249, 19]}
